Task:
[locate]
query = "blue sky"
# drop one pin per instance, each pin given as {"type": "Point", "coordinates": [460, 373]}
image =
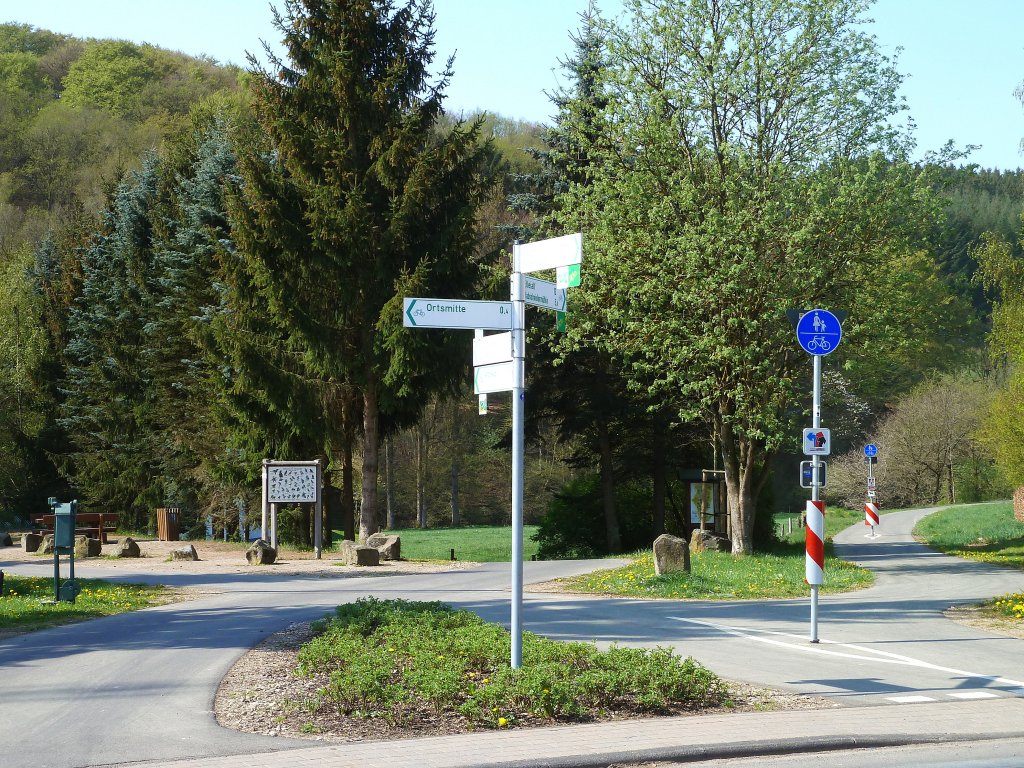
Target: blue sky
{"type": "Point", "coordinates": [964, 58]}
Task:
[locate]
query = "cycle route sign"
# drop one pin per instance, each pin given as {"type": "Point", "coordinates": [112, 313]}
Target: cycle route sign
{"type": "Point", "coordinates": [819, 332]}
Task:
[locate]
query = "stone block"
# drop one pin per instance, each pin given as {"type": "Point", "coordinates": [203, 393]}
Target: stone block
{"type": "Point", "coordinates": [184, 553]}
{"type": "Point", "coordinates": [706, 541]}
{"type": "Point", "coordinates": [128, 548]}
{"type": "Point", "coordinates": [86, 547]}
{"type": "Point", "coordinates": [260, 553]}
{"type": "Point", "coordinates": [671, 555]}
{"type": "Point", "coordinates": [389, 547]}
{"type": "Point", "coordinates": [357, 554]}
{"type": "Point", "coordinates": [30, 542]}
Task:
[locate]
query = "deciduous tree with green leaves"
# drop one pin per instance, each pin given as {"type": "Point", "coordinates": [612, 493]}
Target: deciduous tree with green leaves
{"type": "Point", "coordinates": [755, 164]}
{"type": "Point", "coordinates": [361, 199]}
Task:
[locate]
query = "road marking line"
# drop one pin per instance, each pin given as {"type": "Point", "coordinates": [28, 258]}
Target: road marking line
{"type": "Point", "coordinates": [909, 699]}
{"type": "Point", "coordinates": [974, 695]}
{"type": "Point", "coordinates": [883, 657]}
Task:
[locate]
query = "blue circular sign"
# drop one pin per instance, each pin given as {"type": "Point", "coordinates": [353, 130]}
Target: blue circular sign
{"type": "Point", "coordinates": [819, 332]}
{"type": "Point", "coordinates": [870, 450]}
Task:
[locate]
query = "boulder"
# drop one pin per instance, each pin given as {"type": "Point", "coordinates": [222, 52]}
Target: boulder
{"type": "Point", "coordinates": [706, 541]}
{"type": "Point", "coordinates": [671, 555]}
{"type": "Point", "coordinates": [358, 554]}
{"type": "Point", "coordinates": [5, 540]}
{"type": "Point", "coordinates": [46, 545]}
{"type": "Point", "coordinates": [260, 553]}
{"type": "Point", "coordinates": [184, 553]}
{"type": "Point", "coordinates": [390, 547]}
{"type": "Point", "coordinates": [86, 547]}
{"type": "Point", "coordinates": [128, 548]}
{"type": "Point", "coordinates": [30, 542]}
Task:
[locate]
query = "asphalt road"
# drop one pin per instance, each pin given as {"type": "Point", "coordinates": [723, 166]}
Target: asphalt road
{"type": "Point", "coordinates": [140, 686]}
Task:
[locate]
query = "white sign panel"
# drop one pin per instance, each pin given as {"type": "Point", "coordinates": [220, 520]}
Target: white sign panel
{"type": "Point", "coordinates": [456, 313]}
{"type": "Point", "coordinates": [543, 293]}
{"type": "Point", "coordinates": [494, 378]}
{"type": "Point", "coordinates": [496, 348]}
{"type": "Point", "coordinates": [291, 484]}
{"type": "Point", "coordinates": [817, 442]}
{"type": "Point", "coordinates": [549, 254]}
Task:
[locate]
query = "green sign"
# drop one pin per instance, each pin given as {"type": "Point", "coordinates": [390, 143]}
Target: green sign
{"type": "Point", "coordinates": [568, 276]}
{"type": "Point", "coordinates": [560, 322]}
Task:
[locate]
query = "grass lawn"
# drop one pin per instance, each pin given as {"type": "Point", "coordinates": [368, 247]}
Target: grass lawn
{"type": "Point", "coordinates": [391, 664]}
{"type": "Point", "coordinates": [479, 544]}
{"type": "Point", "coordinates": [986, 532]}
{"type": "Point", "coordinates": [23, 606]}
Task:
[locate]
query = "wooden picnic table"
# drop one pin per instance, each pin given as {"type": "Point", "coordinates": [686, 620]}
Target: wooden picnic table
{"type": "Point", "coordinates": [95, 525]}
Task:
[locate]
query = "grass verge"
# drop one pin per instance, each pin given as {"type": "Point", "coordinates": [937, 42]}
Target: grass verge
{"type": "Point", "coordinates": [405, 662]}
{"type": "Point", "coordinates": [478, 544]}
{"type": "Point", "coordinates": [988, 533]}
{"type": "Point", "coordinates": [25, 606]}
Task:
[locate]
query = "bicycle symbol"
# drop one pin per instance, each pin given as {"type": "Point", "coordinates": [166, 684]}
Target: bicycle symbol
{"type": "Point", "coordinates": [819, 342]}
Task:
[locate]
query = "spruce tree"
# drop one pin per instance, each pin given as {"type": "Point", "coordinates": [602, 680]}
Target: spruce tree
{"type": "Point", "coordinates": [361, 199]}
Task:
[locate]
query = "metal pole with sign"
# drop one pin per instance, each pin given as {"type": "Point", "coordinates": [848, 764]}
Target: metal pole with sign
{"type": "Point", "coordinates": [499, 362]}
{"type": "Point", "coordinates": [819, 333]}
{"type": "Point", "coordinates": [870, 507]}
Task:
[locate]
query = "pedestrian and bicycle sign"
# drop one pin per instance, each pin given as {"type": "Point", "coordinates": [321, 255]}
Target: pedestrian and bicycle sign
{"type": "Point", "coordinates": [870, 450]}
{"type": "Point", "coordinates": [819, 332]}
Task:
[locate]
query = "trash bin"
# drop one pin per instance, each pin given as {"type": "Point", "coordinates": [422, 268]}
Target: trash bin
{"type": "Point", "coordinates": [168, 522]}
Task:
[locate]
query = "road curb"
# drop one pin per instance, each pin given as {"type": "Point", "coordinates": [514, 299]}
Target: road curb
{"type": "Point", "coordinates": [741, 749]}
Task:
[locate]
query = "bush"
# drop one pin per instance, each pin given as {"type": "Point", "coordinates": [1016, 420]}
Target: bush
{"type": "Point", "coordinates": [574, 527]}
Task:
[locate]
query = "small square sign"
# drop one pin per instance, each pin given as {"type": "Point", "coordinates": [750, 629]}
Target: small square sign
{"type": "Point", "coordinates": [568, 276]}
{"type": "Point", "coordinates": [816, 442]}
{"type": "Point", "coordinates": [482, 408]}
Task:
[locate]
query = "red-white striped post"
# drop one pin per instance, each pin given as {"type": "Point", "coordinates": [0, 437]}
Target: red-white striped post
{"type": "Point", "coordinates": [814, 568]}
{"type": "Point", "coordinates": [870, 513]}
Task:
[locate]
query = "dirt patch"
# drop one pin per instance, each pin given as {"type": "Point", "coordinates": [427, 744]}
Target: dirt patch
{"type": "Point", "coordinates": [980, 617]}
{"type": "Point", "coordinates": [219, 557]}
{"type": "Point", "coordinates": [263, 694]}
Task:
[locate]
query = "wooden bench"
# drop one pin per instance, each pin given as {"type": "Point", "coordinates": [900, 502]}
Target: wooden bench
{"type": "Point", "coordinates": [95, 525]}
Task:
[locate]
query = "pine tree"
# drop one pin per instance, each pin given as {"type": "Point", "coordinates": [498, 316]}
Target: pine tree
{"type": "Point", "coordinates": [361, 199]}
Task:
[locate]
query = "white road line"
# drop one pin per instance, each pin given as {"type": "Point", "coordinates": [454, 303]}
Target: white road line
{"type": "Point", "coordinates": [909, 699]}
{"type": "Point", "coordinates": [974, 695]}
{"type": "Point", "coordinates": [882, 657]}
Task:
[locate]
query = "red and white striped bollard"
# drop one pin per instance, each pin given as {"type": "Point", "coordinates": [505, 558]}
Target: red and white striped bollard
{"type": "Point", "coordinates": [814, 568]}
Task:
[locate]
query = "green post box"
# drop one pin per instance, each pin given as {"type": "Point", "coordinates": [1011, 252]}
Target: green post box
{"type": "Point", "coordinates": [64, 544]}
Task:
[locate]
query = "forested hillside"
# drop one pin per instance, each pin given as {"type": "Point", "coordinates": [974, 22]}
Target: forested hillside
{"type": "Point", "coordinates": [201, 267]}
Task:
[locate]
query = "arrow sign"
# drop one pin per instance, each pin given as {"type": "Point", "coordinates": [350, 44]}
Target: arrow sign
{"type": "Point", "coordinates": [493, 378]}
{"type": "Point", "coordinates": [456, 313]}
{"type": "Point", "coordinates": [496, 348]}
{"type": "Point", "coordinates": [543, 293]}
{"type": "Point", "coordinates": [816, 442]}
{"type": "Point", "coordinates": [548, 254]}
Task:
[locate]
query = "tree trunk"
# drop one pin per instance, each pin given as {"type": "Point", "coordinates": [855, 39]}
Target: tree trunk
{"type": "Point", "coordinates": [421, 474]}
{"type": "Point", "coordinates": [611, 520]}
{"type": "Point", "coordinates": [389, 480]}
{"type": "Point", "coordinates": [659, 479]}
{"type": "Point", "coordinates": [368, 503]}
{"type": "Point", "coordinates": [348, 491]}
{"type": "Point", "coordinates": [456, 513]}
{"type": "Point", "coordinates": [739, 457]}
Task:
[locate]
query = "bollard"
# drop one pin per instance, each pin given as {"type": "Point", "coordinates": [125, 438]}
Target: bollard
{"type": "Point", "coordinates": [1, 583]}
{"type": "Point", "coordinates": [453, 555]}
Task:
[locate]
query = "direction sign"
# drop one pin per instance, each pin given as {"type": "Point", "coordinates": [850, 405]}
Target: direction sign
{"type": "Point", "coordinates": [456, 313]}
{"type": "Point", "coordinates": [543, 293]}
{"type": "Point", "coordinates": [548, 254]}
{"type": "Point", "coordinates": [496, 348]}
{"type": "Point", "coordinates": [819, 332]}
{"type": "Point", "coordinates": [870, 449]}
{"type": "Point", "coordinates": [494, 378]}
{"type": "Point", "coordinates": [817, 442]}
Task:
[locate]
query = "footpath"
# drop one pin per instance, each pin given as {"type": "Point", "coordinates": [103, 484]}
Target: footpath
{"type": "Point", "coordinates": [679, 739]}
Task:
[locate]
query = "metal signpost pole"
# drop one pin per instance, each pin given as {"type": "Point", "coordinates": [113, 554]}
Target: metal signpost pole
{"type": "Point", "coordinates": [518, 419]}
{"type": "Point", "coordinates": [815, 483]}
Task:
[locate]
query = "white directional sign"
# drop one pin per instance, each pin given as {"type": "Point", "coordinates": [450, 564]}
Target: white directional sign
{"type": "Point", "coordinates": [494, 378]}
{"type": "Point", "coordinates": [549, 254]}
{"type": "Point", "coordinates": [543, 293]}
{"type": "Point", "coordinates": [456, 313]}
{"type": "Point", "coordinates": [488, 350]}
{"type": "Point", "coordinates": [817, 442]}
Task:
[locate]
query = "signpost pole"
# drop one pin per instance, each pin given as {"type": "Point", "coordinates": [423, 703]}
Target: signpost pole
{"type": "Point", "coordinates": [815, 482]}
{"type": "Point", "coordinates": [518, 420]}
